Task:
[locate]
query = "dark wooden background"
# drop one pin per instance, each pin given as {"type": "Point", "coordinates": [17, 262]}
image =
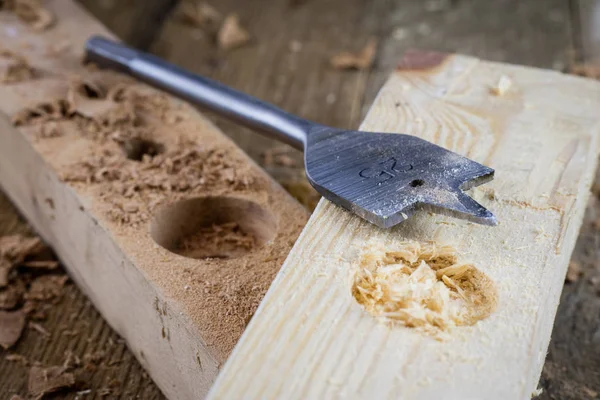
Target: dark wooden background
{"type": "Point", "coordinates": [543, 33]}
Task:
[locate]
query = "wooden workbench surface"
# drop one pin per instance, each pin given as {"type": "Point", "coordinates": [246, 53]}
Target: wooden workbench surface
{"type": "Point", "coordinates": [287, 63]}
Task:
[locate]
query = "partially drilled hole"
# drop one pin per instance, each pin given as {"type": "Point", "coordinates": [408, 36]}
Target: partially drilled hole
{"type": "Point", "coordinates": [213, 227]}
{"type": "Point", "coordinates": [417, 183]}
{"type": "Point", "coordinates": [423, 286]}
{"type": "Point", "coordinates": [136, 148]}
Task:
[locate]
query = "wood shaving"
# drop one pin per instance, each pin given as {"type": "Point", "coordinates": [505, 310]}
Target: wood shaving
{"type": "Point", "coordinates": [573, 272]}
{"type": "Point", "coordinates": [503, 86]}
{"type": "Point", "coordinates": [12, 295]}
{"type": "Point", "coordinates": [12, 324]}
{"type": "Point", "coordinates": [586, 70]}
{"type": "Point", "coordinates": [32, 12]}
{"type": "Point", "coordinates": [43, 381]}
{"type": "Point", "coordinates": [423, 286]}
{"type": "Point", "coordinates": [199, 14]}
{"type": "Point", "coordinates": [232, 34]}
{"type": "Point", "coordinates": [16, 358]}
{"type": "Point", "coordinates": [46, 287]}
{"type": "Point", "coordinates": [37, 327]}
{"type": "Point", "coordinates": [363, 60]}
{"type": "Point", "coordinates": [14, 68]}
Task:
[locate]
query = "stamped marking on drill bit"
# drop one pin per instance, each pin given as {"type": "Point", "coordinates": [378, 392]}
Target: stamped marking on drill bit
{"type": "Point", "coordinates": [385, 170]}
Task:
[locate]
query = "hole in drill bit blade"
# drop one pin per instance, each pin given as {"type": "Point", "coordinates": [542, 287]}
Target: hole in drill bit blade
{"type": "Point", "coordinates": [417, 183]}
{"type": "Point", "coordinates": [213, 227]}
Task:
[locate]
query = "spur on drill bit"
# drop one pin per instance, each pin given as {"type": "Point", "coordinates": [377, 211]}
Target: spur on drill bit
{"type": "Point", "coordinates": [382, 177]}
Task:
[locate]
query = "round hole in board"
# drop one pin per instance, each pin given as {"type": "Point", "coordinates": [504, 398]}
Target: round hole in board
{"type": "Point", "coordinates": [213, 227]}
{"type": "Point", "coordinates": [417, 183]}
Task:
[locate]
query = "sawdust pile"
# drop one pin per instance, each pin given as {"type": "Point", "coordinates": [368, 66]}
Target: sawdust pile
{"type": "Point", "coordinates": [31, 12]}
{"type": "Point", "coordinates": [226, 240]}
{"type": "Point", "coordinates": [423, 286]}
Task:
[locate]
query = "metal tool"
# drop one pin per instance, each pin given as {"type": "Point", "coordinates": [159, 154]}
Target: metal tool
{"type": "Point", "coordinates": [382, 177]}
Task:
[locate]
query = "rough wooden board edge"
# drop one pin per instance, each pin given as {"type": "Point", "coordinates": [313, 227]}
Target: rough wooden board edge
{"type": "Point", "coordinates": [156, 317]}
{"type": "Point", "coordinates": [310, 339]}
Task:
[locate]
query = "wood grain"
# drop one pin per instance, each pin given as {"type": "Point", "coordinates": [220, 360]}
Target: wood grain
{"type": "Point", "coordinates": [310, 339]}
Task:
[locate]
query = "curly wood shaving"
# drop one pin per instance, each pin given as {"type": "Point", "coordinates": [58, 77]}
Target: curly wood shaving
{"type": "Point", "coordinates": [422, 285]}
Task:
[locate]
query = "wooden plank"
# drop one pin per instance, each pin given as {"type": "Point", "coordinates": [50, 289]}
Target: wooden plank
{"type": "Point", "coordinates": [179, 315]}
{"type": "Point", "coordinates": [311, 339]}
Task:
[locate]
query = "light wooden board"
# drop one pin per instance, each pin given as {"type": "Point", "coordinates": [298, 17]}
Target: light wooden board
{"type": "Point", "coordinates": [166, 306]}
{"type": "Point", "coordinates": [310, 338]}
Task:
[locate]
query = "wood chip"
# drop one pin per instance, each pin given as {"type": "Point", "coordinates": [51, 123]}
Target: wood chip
{"type": "Point", "coordinates": [41, 264]}
{"type": "Point", "coordinates": [11, 327]}
{"type": "Point", "coordinates": [573, 272]}
{"type": "Point", "coordinates": [43, 381]}
{"type": "Point", "coordinates": [32, 12]}
{"type": "Point", "coordinates": [14, 68]}
{"type": "Point", "coordinates": [232, 34]}
{"type": "Point", "coordinates": [586, 70]}
{"type": "Point", "coordinates": [16, 358]}
{"type": "Point", "coordinates": [589, 392]}
{"type": "Point", "coordinates": [202, 15]}
{"type": "Point", "coordinates": [503, 86]}
{"type": "Point", "coordinates": [37, 327]}
{"type": "Point", "coordinates": [362, 60]}
{"type": "Point", "coordinates": [12, 295]}
{"type": "Point", "coordinates": [46, 287]}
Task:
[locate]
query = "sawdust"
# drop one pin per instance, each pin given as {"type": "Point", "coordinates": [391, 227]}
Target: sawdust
{"type": "Point", "coordinates": [44, 381]}
{"type": "Point", "coordinates": [232, 34]}
{"type": "Point", "coordinates": [363, 60]}
{"type": "Point", "coordinates": [31, 12]}
{"type": "Point", "coordinates": [423, 286]}
{"type": "Point", "coordinates": [226, 240]}
{"type": "Point", "coordinates": [199, 14]}
{"type": "Point", "coordinates": [12, 324]}
{"type": "Point", "coordinates": [574, 272]}
{"type": "Point", "coordinates": [14, 68]}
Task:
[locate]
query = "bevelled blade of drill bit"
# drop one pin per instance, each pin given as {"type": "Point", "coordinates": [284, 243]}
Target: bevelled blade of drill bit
{"type": "Point", "coordinates": [386, 177]}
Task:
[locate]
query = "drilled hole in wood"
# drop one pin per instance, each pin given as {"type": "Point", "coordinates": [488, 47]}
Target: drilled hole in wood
{"type": "Point", "coordinates": [422, 285]}
{"type": "Point", "coordinates": [136, 148]}
{"type": "Point", "coordinates": [417, 183]}
{"type": "Point", "coordinates": [213, 227]}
